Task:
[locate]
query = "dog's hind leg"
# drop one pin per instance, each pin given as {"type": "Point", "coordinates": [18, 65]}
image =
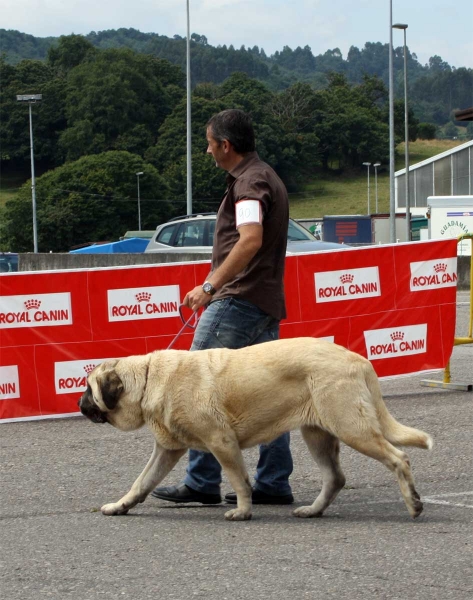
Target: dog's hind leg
{"type": "Point", "coordinates": [376, 446]}
{"type": "Point", "coordinates": [325, 449]}
{"type": "Point", "coordinates": [159, 465]}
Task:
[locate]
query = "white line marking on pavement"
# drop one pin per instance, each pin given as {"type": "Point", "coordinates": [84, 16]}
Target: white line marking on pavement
{"type": "Point", "coordinates": [445, 503]}
{"type": "Point", "coordinates": [436, 499]}
{"type": "Point", "coordinates": [448, 494]}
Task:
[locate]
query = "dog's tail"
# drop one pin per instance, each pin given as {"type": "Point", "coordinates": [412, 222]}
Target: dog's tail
{"type": "Point", "coordinates": [396, 433]}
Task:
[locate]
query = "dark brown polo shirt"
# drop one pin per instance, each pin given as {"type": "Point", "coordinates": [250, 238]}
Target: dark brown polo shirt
{"type": "Point", "coordinates": [262, 281]}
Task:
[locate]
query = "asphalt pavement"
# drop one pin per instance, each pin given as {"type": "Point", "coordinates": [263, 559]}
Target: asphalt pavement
{"type": "Point", "coordinates": [55, 543]}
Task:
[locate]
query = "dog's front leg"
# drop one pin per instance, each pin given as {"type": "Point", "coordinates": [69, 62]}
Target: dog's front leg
{"type": "Point", "coordinates": [229, 455]}
{"type": "Point", "coordinates": [159, 465]}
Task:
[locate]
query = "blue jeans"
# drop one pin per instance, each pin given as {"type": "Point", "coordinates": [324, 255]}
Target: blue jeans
{"type": "Point", "coordinates": [235, 323]}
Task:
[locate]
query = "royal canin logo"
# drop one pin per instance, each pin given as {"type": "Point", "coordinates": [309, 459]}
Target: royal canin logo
{"type": "Point", "coordinates": [143, 297]}
{"type": "Point", "coordinates": [9, 382]}
{"type": "Point", "coordinates": [332, 286]}
{"type": "Point", "coordinates": [153, 303]}
{"type": "Point", "coordinates": [30, 304]}
{"type": "Point", "coordinates": [71, 384]}
{"type": "Point", "coordinates": [433, 274]}
{"type": "Point", "coordinates": [42, 310]}
{"type": "Point", "coordinates": [391, 343]}
{"type": "Point", "coordinates": [71, 376]}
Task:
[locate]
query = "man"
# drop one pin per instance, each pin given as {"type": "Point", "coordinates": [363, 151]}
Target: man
{"type": "Point", "coordinates": [245, 295]}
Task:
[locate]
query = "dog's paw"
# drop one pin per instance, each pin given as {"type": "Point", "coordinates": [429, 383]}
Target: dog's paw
{"type": "Point", "coordinates": [114, 509]}
{"type": "Point", "coordinates": [307, 512]}
{"type": "Point", "coordinates": [237, 515]}
{"type": "Point", "coordinates": [417, 509]}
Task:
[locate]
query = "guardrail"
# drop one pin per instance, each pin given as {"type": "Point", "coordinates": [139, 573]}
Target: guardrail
{"type": "Point", "coordinates": [458, 341]}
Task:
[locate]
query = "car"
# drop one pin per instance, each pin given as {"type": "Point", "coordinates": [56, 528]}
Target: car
{"type": "Point", "coordinates": [194, 233]}
{"type": "Point", "coordinates": [8, 262]}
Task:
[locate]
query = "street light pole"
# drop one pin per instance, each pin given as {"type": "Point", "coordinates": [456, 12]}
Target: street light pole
{"type": "Point", "coordinates": [376, 165]}
{"type": "Point", "coordinates": [368, 164]}
{"type": "Point", "coordinates": [392, 203]}
{"type": "Point", "coordinates": [189, 134]}
{"type": "Point", "coordinates": [406, 135]}
{"type": "Point", "coordinates": [32, 99]}
{"type": "Point", "coordinates": [139, 203]}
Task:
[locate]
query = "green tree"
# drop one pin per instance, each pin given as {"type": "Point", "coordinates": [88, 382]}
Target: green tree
{"type": "Point", "coordinates": [208, 184]}
{"type": "Point", "coordinates": [450, 131]}
{"type": "Point", "coordinates": [351, 125]}
{"type": "Point", "coordinates": [172, 138]}
{"type": "Point", "coordinates": [330, 61]}
{"type": "Point", "coordinates": [250, 95]}
{"type": "Point", "coordinates": [400, 120]}
{"type": "Point", "coordinates": [426, 131]}
{"type": "Point", "coordinates": [435, 89]}
{"type": "Point", "coordinates": [91, 199]}
{"type": "Point", "coordinates": [30, 77]}
{"type": "Point", "coordinates": [111, 97]}
{"type": "Point", "coordinates": [436, 64]}
{"type": "Point", "coordinates": [19, 46]}
{"type": "Point", "coordinates": [69, 52]}
{"type": "Point", "coordinates": [295, 117]}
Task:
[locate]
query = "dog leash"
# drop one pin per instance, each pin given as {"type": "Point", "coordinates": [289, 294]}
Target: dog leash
{"type": "Point", "coordinates": [187, 323]}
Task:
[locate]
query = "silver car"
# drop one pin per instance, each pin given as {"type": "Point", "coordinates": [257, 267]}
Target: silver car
{"type": "Point", "coordinates": [195, 233]}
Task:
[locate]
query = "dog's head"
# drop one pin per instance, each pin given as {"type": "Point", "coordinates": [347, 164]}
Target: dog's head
{"type": "Point", "coordinates": [107, 401]}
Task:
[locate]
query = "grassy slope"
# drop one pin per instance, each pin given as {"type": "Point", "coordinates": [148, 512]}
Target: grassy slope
{"type": "Point", "coordinates": [347, 194]}
{"type": "Point", "coordinates": [326, 194]}
{"type": "Point", "coordinates": [9, 186]}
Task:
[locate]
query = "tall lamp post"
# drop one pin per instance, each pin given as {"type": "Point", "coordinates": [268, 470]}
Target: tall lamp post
{"type": "Point", "coordinates": [32, 99]}
{"type": "Point", "coordinates": [368, 164]}
{"type": "Point", "coordinates": [376, 165]}
{"type": "Point", "coordinates": [139, 203]}
{"type": "Point", "coordinates": [392, 202]}
{"type": "Point", "coordinates": [189, 136]}
{"type": "Point", "coordinates": [403, 26]}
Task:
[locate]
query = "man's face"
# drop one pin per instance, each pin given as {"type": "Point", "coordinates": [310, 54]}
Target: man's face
{"type": "Point", "coordinates": [216, 149]}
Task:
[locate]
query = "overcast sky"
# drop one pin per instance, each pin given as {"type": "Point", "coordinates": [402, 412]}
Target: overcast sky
{"type": "Point", "coordinates": [436, 27]}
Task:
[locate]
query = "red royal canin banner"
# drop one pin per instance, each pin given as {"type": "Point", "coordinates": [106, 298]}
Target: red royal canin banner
{"type": "Point", "coordinates": [394, 304]}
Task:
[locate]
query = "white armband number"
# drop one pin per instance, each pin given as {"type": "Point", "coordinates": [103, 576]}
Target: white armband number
{"type": "Point", "coordinates": [248, 211]}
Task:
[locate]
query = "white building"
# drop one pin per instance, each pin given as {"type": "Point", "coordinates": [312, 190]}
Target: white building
{"type": "Point", "coordinates": [449, 173]}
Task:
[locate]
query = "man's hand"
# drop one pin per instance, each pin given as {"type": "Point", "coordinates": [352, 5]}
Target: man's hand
{"type": "Point", "coordinates": [196, 298]}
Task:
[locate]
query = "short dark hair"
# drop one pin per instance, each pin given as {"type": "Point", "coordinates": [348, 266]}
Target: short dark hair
{"type": "Point", "coordinates": [235, 126]}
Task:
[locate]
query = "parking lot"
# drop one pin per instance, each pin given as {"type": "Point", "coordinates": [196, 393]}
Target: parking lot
{"type": "Point", "coordinates": [54, 542]}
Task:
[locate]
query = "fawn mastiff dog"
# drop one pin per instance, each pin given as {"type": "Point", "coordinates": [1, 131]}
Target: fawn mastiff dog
{"type": "Point", "coordinates": [222, 400]}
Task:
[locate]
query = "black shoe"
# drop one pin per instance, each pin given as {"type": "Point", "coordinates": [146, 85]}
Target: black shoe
{"type": "Point", "coordinates": [182, 493]}
{"type": "Point", "coordinates": [258, 497]}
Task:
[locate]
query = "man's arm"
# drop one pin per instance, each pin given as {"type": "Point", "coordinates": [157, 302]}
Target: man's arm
{"type": "Point", "coordinates": [250, 241]}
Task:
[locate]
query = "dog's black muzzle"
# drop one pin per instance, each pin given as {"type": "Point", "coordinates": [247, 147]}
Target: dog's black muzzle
{"type": "Point", "coordinates": [90, 410]}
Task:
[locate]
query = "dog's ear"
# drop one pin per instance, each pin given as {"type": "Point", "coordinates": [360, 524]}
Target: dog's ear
{"type": "Point", "coordinates": [111, 388]}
